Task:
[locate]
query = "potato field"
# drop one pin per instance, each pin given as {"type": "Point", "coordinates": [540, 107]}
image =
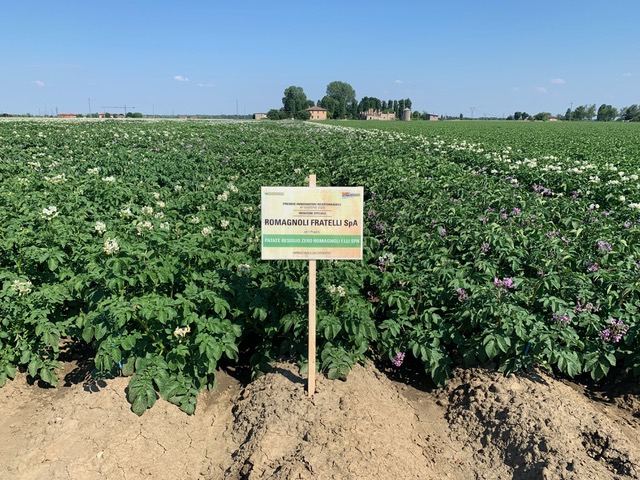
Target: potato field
{"type": "Point", "coordinates": [510, 244]}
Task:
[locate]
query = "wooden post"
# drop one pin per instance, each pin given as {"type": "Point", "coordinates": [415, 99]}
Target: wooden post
{"type": "Point", "coordinates": [311, 384]}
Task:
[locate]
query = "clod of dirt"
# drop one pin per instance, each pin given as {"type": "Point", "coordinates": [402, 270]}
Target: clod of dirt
{"type": "Point", "coordinates": [533, 427]}
{"type": "Point", "coordinates": [358, 429]}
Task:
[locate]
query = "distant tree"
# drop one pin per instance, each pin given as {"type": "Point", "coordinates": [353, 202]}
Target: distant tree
{"type": "Point", "coordinates": [384, 105]}
{"type": "Point", "coordinates": [630, 113]}
{"type": "Point", "coordinates": [582, 112]}
{"type": "Point", "coordinates": [341, 91]}
{"type": "Point", "coordinates": [517, 115]}
{"type": "Point", "coordinates": [369, 102]}
{"type": "Point", "coordinates": [363, 104]}
{"type": "Point", "coordinates": [295, 103]}
{"type": "Point", "coordinates": [401, 107]}
{"type": "Point", "coordinates": [525, 116]}
{"type": "Point", "coordinates": [606, 113]}
{"type": "Point", "coordinates": [461, 117]}
{"type": "Point", "coordinates": [352, 110]}
{"type": "Point", "coordinates": [542, 116]}
{"type": "Point", "coordinates": [274, 114]}
{"type": "Point", "coordinates": [345, 96]}
{"type": "Point", "coordinates": [389, 106]}
{"type": "Point", "coordinates": [331, 104]}
{"type": "Point", "coordinates": [407, 103]}
{"type": "Point", "coordinates": [579, 114]}
{"type": "Point", "coordinates": [568, 115]}
{"type": "Point", "coordinates": [510, 117]}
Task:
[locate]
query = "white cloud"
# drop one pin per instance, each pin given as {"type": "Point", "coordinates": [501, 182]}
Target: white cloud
{"type": "Point", "coordinates": [397, 82]}
{"type": "Point", "coordinates": [180, 78]}
{"type": "Point", "coordinates": [557, 81]}
{"type": "Point", "coordinates": [541, 90]}
{"type": "Point", "coordinates": [206, 85]}
{"type": "Point", "coordinates": [628, 74]}
{"type": "Point", "coordinates": [38, 83]}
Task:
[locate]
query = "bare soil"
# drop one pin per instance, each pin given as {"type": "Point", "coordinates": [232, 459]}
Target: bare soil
{"type": "Point", "coordinates": [483, 425]}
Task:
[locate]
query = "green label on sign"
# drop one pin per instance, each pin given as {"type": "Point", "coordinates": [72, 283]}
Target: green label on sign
{"type": "Point", "coordinates": [334, 241]}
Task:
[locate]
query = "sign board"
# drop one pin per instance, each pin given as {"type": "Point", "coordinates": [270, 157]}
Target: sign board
{"type": "Point", "coordinates": [312, 223]}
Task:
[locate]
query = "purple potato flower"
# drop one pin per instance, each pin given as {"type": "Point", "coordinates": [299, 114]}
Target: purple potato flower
{"type": "Point", "coordinates": [604, 246]}
{"type": "Point", "coordinates": [462, 294]}
{"type": "Point", "coordinates": [562, 319]}
{"type": "Point", "coordinates": [614, 333]}
{"type": "Point", "coordinates": [398, 359]}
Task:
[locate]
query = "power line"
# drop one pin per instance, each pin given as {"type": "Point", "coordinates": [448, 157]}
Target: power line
{"type": "Point", "coordinates": [118, 106]}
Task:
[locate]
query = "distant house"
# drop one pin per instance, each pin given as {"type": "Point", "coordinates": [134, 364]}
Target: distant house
{"type": "Point", "coordinates": [66, 115]}
{"type": "Point", "coordinates": [372, 114]}
{"type": "Point", "coordinates": [433, 118]}
{"type": "Point", "coordinates": [317, 113]}
{"type": "Point", "coordinates": [259, 116]}
{"type": "Point", "coordinates": [553, 119]}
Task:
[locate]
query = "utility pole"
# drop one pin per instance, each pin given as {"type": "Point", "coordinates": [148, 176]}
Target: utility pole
{"type": "Point", "coordinates": [472, 110]}
{"type": "Point", "coordinates": [570, 111]}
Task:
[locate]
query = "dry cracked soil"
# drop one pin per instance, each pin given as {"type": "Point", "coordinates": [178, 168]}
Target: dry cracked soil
{"type": "Point", "coordinates": [482, 425]}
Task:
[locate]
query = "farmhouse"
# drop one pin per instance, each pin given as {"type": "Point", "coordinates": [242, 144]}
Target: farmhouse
{"type": "Point", "coordinates": [66, 115]}
{"type": "Point", "coordinates": [372, 114]}
{"type": "Point", "coordinates": [317, 113]}
{"type": "Point", "coordinates": [432, 118]}
{"type": "Point", "coordinates": [259, 116]}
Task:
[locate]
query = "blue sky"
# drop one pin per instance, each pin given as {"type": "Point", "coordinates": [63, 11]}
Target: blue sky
{"type": "Point", "coordinates": [189, 57]}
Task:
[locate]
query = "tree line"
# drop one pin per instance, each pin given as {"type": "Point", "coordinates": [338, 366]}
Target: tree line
{"type": "Point", "coordinates": [339, 101]}
{"type": "Point", "coordinates": [604, 113]}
